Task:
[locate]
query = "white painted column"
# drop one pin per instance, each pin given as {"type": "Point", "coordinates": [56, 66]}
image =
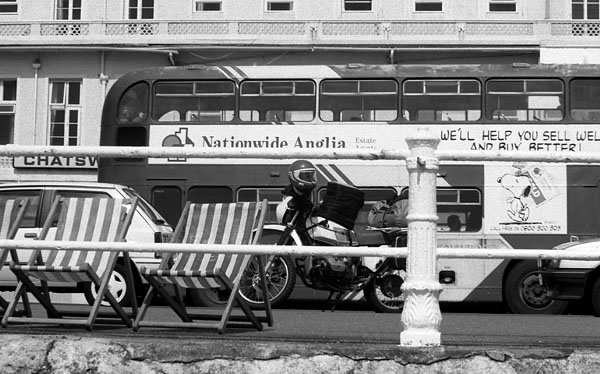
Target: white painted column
{"type": "Point", "coordinates": [421, 317]}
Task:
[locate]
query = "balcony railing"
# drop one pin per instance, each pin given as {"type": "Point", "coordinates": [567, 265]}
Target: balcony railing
{"type": "Point", "coordinates": [133, 33]}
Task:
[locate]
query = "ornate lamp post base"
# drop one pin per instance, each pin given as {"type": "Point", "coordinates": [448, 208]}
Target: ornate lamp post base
{"type": "Point", "coordinates": [421, 316]}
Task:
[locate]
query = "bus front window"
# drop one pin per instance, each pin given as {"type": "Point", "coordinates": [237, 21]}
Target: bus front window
{"type": "Point", "coordinates": [133, 106]}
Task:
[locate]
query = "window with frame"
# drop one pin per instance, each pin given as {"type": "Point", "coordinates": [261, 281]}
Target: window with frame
{"type": "Point", "coordinates": [583, 99]}
{"type": "Point", "coordinates": [272, 194]}
{"type": "Point", "coordinates": [277, 101]}
{"type": "Point", "coordinates": [459, 209]}
{"type": "Point", "coordinates": [194, 101]}
{"type": "Point", "coordinates": [525, 100]}
{"type": "Point", "coordinates": [441, 100]}
{"type": "Point", "coordinates": [358, 5]}
{"type": "Point", "coordinates": [503, 5]}
{"type": "Point", "coordinates": [140, 9]}
{"type": "Point", "coordinates": [8, 102]}
{"type": "Point", "coordinates": [68, 9]}
{"type": "Point", "coordinates": [133, 105]}
{"type": "Point", "coordinates": [359, 100]}
{"type": "Point", "coordinates": [167, 200]}
{"type": "Point", "coordinates": [279, 6]}
{"type": "Point", "coordinates": [428, 6]}
{"type": "Point", "coordinates": [65, 110]}
{"type": "Point", "coordinates": [208, 6]}
{"type": "Point", "coordinates": [30, 219]}
{"type": "Point", "coordinates": [585, 9]}
{"type": "Point", "coordinates": [8, 6]}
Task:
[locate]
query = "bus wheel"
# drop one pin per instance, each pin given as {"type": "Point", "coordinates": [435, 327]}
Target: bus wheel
{"type": "Point", "coordinates": [524, 294]}
{"type": "Point", "coordinates": [595, 297]}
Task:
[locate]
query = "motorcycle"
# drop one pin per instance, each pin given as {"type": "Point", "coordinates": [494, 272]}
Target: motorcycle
{"type": "Point", "coordinates": [380, 279]}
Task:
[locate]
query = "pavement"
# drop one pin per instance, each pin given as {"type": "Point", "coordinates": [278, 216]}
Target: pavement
{"type": "Point", "coordinates": [300, 342]}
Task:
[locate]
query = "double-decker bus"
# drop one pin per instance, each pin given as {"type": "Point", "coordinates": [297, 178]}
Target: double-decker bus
{"type": "Point", "coordinates": [520, 107]}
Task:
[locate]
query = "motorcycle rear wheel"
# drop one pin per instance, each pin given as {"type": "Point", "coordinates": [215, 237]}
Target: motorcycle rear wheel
{"type": "Point", "coordinates": [384, 294]}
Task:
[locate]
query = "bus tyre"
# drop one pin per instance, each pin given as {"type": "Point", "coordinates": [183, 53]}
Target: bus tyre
{"type": "Point", "coordinates": [116, 285]}
{"type": "Point", "coordinates": [384, 293]}
{"type": "Point", "coordinates": [524, 294]}
{"type": "Point", "coordinates": [595, 297]}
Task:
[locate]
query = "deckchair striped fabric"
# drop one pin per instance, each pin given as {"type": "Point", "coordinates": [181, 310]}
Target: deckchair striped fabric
{"type": "Point", "coordinates": [225, 223]}
{"type": "Point", "coordinates": [81, 219]}
{"type": "Point", "coordinates": [11, 214]}
{"type": "Point", "coordinates": [211, 224]}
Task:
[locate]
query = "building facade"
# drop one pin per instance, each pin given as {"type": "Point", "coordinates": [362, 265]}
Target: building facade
{"type": "Point", "coordinates": [58, 58]}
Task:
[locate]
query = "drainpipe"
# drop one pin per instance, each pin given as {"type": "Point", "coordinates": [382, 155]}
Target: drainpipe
{"type": "Point", "coordinates": [102, 76]}
{"type": "Point", "coordinates": [37, 64]}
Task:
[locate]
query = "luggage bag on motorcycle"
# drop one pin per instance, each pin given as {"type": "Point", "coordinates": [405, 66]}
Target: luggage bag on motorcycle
{"type": "Point", "coordinates": [341, 204]}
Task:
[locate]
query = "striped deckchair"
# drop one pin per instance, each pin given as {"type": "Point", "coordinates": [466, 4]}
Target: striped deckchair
{"type": "Point", "coordinates": [77, 219]}
{"type": "Point", "coordinates": [12, 212]}
{"type": "Point", "coordinates": [235, 223]}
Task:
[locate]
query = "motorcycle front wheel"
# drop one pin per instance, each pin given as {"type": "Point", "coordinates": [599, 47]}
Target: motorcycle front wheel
{"type": "Point", "coordinates": [384, 292]}
{"type": "Point", "coordinates": [280, 275]}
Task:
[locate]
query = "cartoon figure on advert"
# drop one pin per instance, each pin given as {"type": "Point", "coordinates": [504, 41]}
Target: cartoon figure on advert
{"type": "Point", "coordinates": [519, 187]}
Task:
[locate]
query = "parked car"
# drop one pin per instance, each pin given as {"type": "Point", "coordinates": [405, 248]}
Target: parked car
{"type": "Point", "coordinates": [147, 226]}
{"type": "Point", "coordinates": [574, 279]}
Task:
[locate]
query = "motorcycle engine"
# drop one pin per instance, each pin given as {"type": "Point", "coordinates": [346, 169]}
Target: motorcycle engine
{"type": "Point", "coordinates": [336, 270]}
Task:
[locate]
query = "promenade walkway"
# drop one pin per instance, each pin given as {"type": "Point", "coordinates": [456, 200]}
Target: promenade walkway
{"type": "Point", "coordinates": [306, 341]}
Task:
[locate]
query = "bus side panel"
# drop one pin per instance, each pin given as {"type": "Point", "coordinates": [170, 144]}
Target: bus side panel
{"type": "Point", "coordinates": [583, 197]}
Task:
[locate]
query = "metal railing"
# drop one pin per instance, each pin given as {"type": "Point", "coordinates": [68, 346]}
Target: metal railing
{"type": "Point", "coordinates": [421, 317]}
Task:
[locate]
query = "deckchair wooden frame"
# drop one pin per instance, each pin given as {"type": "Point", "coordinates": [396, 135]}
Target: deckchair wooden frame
{"type": "Point", "coordinates": [8, 230]}
{"type": "Point", "coordinates": [37, 265]}
{"type": "Point", "coordinates": [231, 283]}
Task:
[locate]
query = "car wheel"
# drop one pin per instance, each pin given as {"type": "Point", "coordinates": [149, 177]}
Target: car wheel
{"type": "Point", "coordinates": [524, 294]}
{"type": "Point", "coordinates": [116, 285]}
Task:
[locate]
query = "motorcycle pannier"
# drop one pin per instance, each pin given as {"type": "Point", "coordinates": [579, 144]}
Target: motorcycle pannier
{"type": "Point", "coordinates": [341, 204]}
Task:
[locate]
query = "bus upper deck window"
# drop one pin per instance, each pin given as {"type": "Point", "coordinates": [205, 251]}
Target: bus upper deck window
{"type": "Point", "coordinates": [525, 100]}
{"type": "Point", "coordinates": [133, 106]}
{"type": "Point", "coordinates": [584, 99]}
{"type": "Point", "coordinates": [277, 101]}
{"type": "Point", "coordinates": [441, 100]}
{"type": "Point", "coordinates": [351, 100]}
{"type": "Point", "coordinates": [194, 101]}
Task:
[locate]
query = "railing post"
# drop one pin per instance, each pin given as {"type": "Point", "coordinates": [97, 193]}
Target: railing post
{"type": "Point", "coordinates": [421, 317]}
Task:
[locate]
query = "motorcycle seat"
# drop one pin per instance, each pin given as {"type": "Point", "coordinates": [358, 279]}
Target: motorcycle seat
{"type": "Point", "coordinates": [386, 236]}
{"type": "Point", "coordinates": [371, 238]}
